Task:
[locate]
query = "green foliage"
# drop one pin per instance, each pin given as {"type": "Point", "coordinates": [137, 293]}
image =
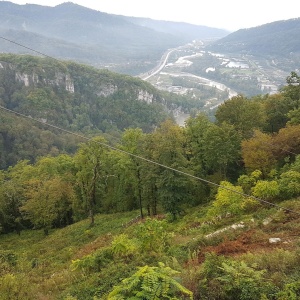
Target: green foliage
{"type": "Point", "coordinates": [13, 186]}
{"type": "Point", "coordinates": [72, 96]}
{"type": "Point", "coordinates": [91, 163]}
{"type": "Point", "coordinates": [292, 90]}
{"type": "Point", "coordinates": [225, 278]}
{"type": "Point", "coordinates": [124, 247]}
{"type": "Point", "coordinates": [277, 110]}
{"type": "Point", "coordinates": [294, 117]}
{"type": "Point", "coordinates": [196, 129]}
{"type": "Point", "coordinates": [85, 264]}
{"type": "Point", "coordinates": [242, 281]}
{"type": "Point", "coordinates": [257, 153]}
{"type": "Point", "coordinates": [267, 190]}
{"type": "Point", "coordinates": [8, 261]}
{"type": "Point", "coordinates": [15, 287]}
{"type": "Point", "coordinates": [151, 283]}
{"type": "Point", "coordinates": [291, 291]}
{"type": "Point", "coordinates": [48, 202]}
{"type": "Point", "coordinates": [248, 181]}
{"type": "Point", "coordinates": [173, 188]}
{"type": "Point", "coordinates": [243, 114]}
{"type": "Point", "coordinates": [289, 184]}
{"type": "Point", "coordinates": [227, 201]}
{"type": "Point", "coordinates": [221, 147]}
{"type": "Point", "coordinates": [153, 236]}
{"type": "Point", "coordinates": [92, 262]}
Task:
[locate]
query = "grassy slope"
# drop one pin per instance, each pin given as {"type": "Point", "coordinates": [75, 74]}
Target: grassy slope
{"type": "Point", "coordinates": [45, 261]}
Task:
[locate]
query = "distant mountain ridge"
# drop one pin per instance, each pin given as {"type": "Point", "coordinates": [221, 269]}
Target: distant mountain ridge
{"type": "Point", "coordinates": [95, 37]}
{"type": "Point", "coordinates": [184, 30]}
{"type": "Point", "coordinates": [276, 38]}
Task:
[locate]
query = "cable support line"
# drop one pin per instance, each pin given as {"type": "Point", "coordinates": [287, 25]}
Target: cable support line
{"type": "Point", "coordinates": [46, 55]}
{"type": "Point", "coordinates": [152, 161]}
{"type": "Point", "coordinates": [28, 48]}
{"type": "Point", "coordinates": [128, 153]}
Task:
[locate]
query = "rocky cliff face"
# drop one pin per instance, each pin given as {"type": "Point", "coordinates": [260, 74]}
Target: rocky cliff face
{"type": "Point", "coordinates": [65, 80]}
{"type": "Point", "coordinates": [59, 79]}
{"type": "Point", "coordinates": [32, 79]}
{"type": "Point", "coordinates": [107, 90]}
{"type": "Point", "coordinates": [145, 96]}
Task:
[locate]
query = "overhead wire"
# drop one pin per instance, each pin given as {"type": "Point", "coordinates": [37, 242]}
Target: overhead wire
{"type": "Point", "coordinates": [151, 161]}
{"type": "Point", "coordinates": [137, 156]}
{"type": "Point", "coordinates": [28, 48]}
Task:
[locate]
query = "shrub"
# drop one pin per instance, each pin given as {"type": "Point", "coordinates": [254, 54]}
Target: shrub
{"type": "Point", "coordinates": [291, 291]}
{"type": "Point", "coordinates": [151, 283]}
{"type": "Point", "coordinates": [153, 235]}
{"type": "Point", "coordinates": [267, 190]}
{"type": "Point", "coordinates": [227, 200]}
{"type": "Point", "coordinates": [123, 246]}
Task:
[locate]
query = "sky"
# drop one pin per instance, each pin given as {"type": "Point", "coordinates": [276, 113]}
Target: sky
{"type": "Point", "coordinates": [225, 14]}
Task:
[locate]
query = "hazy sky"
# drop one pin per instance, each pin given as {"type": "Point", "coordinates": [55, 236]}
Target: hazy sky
{"type": "Point", "coordinates": [226, 14]}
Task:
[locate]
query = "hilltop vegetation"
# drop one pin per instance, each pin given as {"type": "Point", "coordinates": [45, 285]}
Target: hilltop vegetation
{"type": "Point", "coordinates": [97, 192]}
{"type": "Point", "coordinates": [71, 96]}
{"type": "Point", "coordinates": [74, 32]}
{"type": "Point", "coordinates": [76, 98]}
{"type": "Point", "coordinates": [276, 38]}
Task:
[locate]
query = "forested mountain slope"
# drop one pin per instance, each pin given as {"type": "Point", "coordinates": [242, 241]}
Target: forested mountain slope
{"type": "Point", "coordinates": [277, 38]}
{"type": "Point", "coordinates": [72, 96]}
{"type": "Point", "coordinates": [100, 39]}
{"type": "Point", "coordinates": [208, 211]}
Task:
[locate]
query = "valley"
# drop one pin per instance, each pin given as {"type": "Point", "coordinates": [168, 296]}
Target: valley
{"type": "Point", "coordinates": [114, 184]}
{"type": "Point", "coordinates": [211, 78]}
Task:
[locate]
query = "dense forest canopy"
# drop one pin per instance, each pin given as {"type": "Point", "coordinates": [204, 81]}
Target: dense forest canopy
{"type": "Point", "coordinates": [72, 96]}
{"type": "Point", "coordinates": [260, 133]}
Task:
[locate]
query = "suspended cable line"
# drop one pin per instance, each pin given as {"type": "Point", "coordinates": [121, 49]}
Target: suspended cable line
{"type": "Point", "coordinates": [150, 161]}
{"type": "Point", "coordinates": [28, 48]}
{"type": "Point", "coordinates": [131, 154]}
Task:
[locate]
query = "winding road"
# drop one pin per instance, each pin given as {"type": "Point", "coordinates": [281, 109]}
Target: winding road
{"type": "Point", "coordinates": [162, 63]}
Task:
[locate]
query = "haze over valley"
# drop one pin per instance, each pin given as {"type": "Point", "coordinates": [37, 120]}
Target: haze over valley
{"type": "Point", "coordinates": [149, 159]}
{"type": "Point", "coordinates": [203, 64]}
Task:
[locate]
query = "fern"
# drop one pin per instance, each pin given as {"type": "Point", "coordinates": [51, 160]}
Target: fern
{"type": "Point", "coordinates": [151, 283]}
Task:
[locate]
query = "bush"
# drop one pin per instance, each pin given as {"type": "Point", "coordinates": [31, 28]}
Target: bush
{"type": "Point", "coordinates": [291, 291]}
{"type": "Point", "coordinates": [15, 287]}
{"type": "Point", "coordinates": [229, 200]}
{"type": "Point", "coordinates": [92, 262]}
{"type": "Point", "coordinates": [153, 236]}
{"type": "Point", "coordinates": [123, 246]}
{"type": "Point", "coordinates": [289, 184]}
{"type": "Point", "coordinates": [151, 283]}
{"type": "Point", "coordinates": [266, 190]}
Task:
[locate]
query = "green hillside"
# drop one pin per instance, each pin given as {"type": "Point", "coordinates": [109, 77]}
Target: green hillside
{"type": "Point", "coordinates": [79, 262]}
{"type": "Point", "coordinates": [72, 96]}
{"type": "Point", "coordinates": [71, 31]}
{"type": "Point", "coordinates": [278, 38]}
{"type": "Point", "coordinates": [206, 211]}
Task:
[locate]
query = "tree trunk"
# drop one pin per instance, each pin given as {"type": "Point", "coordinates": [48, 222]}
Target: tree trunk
{"type": "Point", "coordinates": [140, 193]}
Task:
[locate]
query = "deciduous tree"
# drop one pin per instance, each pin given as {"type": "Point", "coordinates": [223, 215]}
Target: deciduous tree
{"type": "Point", "coordinates": [244, 114]}
{"type": "Point", "coordinates": [91, 163]}
{"type": "Point", "coordinates": [257, 153]}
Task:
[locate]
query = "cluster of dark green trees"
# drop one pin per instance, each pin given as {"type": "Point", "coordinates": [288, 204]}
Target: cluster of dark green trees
{"type": "Point", "coordinates": [253, 143]}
